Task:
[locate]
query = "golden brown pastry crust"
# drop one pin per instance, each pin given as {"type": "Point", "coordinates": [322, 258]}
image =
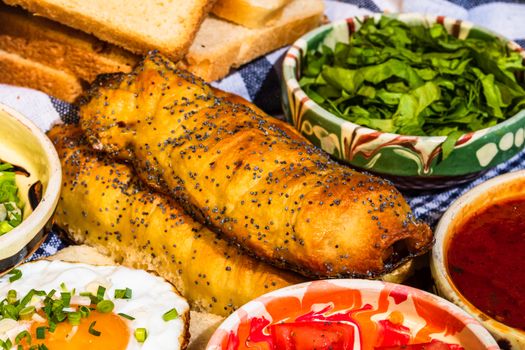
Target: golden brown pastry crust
{"type": "Point", "coordinates": [251, 177]}
{"type": "Point", "coordinates": [103, 205]}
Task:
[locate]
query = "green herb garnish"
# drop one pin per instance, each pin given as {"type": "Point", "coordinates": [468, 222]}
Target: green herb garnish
{"type": "Point", "coordinates": [123, 293]}
{"type": "Point", "coordinates": [11, 206]}
{"type": "Point", "coordinates": [16, 274]}
{"type": "Point", "coordinates": [141, 334]}
{"type": "Point", "coordinates": [126, 316]}
{"type": "Point", "coordinates": [23, 335]}
{"type": "Point", "coordinates": [84, 311]}
{"type": "Point", "coordinates": [74, 318]}
{"type": "Point", "coordinates": [41, 332]}
{"type": "Point", "coordinates": [105, 306]}
{"type": "Point", "coordinates": [100, 292]}
{"type": "Point", "coordinates": [92, 329]}
{"type": "Point", "coordinates": [26, 313]}
{"type": "Point", "coordinates": [170, 315]}
{"type": "Point", "coordinates": [414, 80]}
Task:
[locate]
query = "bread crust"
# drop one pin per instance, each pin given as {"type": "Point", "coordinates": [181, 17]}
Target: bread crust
{"type": "Point", "coordinates": [132, 39]}
{"type": "Point", "coordinates": [252, 178]}
{"type": "Point", "coordinates": [55, 45]}
{"type": "Point", "coordinates": [220, 45]}
{"type": "Point", "coordinates": [17, 70]}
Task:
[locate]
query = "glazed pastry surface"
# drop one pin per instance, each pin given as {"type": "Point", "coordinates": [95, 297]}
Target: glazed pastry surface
{"type": "Point", "coordinates": [102, 204]}
{"type": "Point", "coordinates": [252, 178]}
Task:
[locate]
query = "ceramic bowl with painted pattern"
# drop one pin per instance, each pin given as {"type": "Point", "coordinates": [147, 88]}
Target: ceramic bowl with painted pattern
{"type": "Point", "coordinates": [477, 260]}
{"type": "Point", "coordinates": [38, 179]}
{"type": "Point", "coordinates": [350, 314]}
{"type": "Point", "coordinates": [410, 161]}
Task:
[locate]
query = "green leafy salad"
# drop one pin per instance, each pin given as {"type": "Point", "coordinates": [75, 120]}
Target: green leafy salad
{"type": "Point", "coordinates": [414, 80]}
{"type": "Point", "coordinates": [10, 203]}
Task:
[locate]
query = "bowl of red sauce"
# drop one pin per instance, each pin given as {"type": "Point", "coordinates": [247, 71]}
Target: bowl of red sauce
{"type": "Point", "coordinates": [479, 256]}
{"type": "Point", "coordinates": [354, 314]}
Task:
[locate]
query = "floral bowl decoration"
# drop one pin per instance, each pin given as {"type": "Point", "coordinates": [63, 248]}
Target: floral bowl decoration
{"type": "Point", "coordinates": [350, 314]}
{"type": "Point", "coordinates": [344, 128]}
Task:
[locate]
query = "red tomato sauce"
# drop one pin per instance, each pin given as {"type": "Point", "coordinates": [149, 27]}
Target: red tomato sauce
{"type": "Point", "coordinates": [486, 260]}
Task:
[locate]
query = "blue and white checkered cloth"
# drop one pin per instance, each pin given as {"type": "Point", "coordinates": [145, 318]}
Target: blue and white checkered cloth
{"type": "Point", "coordinates": [258, 81]}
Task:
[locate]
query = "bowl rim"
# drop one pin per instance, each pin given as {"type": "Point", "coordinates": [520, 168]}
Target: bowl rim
{"type": "Point", "coordinates": [297, 51]}
{"type": "Point", "coordinates": [438, 262]}
{"type": "Point", "coordinates": [374, 286]}
{"type": "Point", "coordinates": [15, 240]}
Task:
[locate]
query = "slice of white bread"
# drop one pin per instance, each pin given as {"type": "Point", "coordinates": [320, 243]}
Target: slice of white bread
{"type": "Point", "coordinates": [250, 13]}
{"type": "Point", "coordinates": [139, 26]}
{"type": "Point", "coordinates": [16, 70]}
{"type": "Point", "coordinates": [59, 46]}
{"type": "Point", "coordinates": [202, 324]}
{"type": "Point", "coordinates": [221, 45]}
{"type": "Point", "coordinates": [48, 56]}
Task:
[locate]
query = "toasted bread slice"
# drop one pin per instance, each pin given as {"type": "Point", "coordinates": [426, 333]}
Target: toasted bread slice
{"type": "Point", "coordinates": [60, 47]}
{"type": "Point", "coordinates": [250, 13]}
{"type": "Point", "coordinates": [17, 70]}
{"type": "Point", "coordinates": [138, 26]}
{"type": "Point", "coordinates": [221, 45]}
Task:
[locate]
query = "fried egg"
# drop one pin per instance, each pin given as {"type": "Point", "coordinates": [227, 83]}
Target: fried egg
{"type": "Point", "coordinates": [92, 307]}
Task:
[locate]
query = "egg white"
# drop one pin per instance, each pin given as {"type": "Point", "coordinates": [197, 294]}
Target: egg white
{"type": "Point", "coordinates": [152, 296]}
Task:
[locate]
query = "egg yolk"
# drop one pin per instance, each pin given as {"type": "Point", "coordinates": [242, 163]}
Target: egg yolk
{"type": "Point", "coordinates": [114, 333]}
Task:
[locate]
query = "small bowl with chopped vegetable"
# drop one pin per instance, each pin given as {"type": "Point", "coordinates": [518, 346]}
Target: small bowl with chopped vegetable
{"type": "Point", "coordinates": [30, 180]}
{"type": "Point", "coordinates": [426, 101]}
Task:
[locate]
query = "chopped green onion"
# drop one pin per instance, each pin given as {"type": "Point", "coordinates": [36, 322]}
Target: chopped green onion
{"type": "Point", "coordinates": [66, 298]}
{"type": "Point", "coordinates": [100, 292]}
{"type": "Point", "coordinates": [11, 296]}
{"type": "Point", "coordinates": [123, 293]}
{"type": "Point", "coordinates": [84, 311]}
{"type": "Point", "coordinates": [92, 329]}
{"type": "Point", "coordinates": [105, 306]}
{"type": "Point", "coordinates": [27, 312]}
{"type": "Point", "coordinates": [26, 299]}
{"type": "Point", "coordinates": [141, 334]}
{"type": "Point", "coordinates": [170, 315]}
{"type": "Point", "coordinates": [16, 274]}
{"type": "Point", "coordinates": [52, 327]}
{"type": "Point", "coordinates": [63, 287]}
{"type": "Point", "coordinates": [57, 305]}
{"type": "Point", "coordinates": [41, 333]}
{"type": "Point", "coordinates": [10, 312]}
{"type": "Point", "coordinates": [21, 336]}
{"type": "Point", "coordinates": [7, 345]}
{"type": "Point", "coordinates": [38, 347]}
{"type": "Point", "coordinates": [11, 206]}
{"type": "Point", "coordinates": [74, 318]}
{"type": "Point", "coordinates": [131, 318]}
{"type": "Point", "coordinates": [93, 298]}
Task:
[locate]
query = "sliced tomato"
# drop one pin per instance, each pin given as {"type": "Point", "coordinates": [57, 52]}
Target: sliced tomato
{"type": "Point", "coordinates": [312, 335]}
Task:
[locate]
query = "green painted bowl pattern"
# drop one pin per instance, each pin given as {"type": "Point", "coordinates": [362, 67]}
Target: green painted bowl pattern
{"type": "Point", "coordinates": [394, 154]}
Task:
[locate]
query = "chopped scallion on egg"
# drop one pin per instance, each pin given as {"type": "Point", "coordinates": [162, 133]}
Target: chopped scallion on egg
{"type": "Point", "coordinates": [170, 315]}
{"type": "Point", "coordinates": [16, 274]}
{"type": "Point", "coordinates": [92, 329]}
{"type": "Point", "coordinates": [105, 306]}
{"type": "Point", "coordinates": [141, 334]}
